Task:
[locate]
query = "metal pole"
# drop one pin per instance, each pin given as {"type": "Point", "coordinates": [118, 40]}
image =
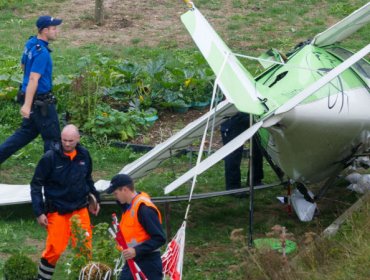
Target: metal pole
{"type": "Point", "coordinates": [167, 218]}
{"type": "Point", "coordinates": [251, 190]}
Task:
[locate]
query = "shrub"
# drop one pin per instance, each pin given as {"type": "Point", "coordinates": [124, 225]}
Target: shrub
{"type": "Point", "coordinates": [20, 267]}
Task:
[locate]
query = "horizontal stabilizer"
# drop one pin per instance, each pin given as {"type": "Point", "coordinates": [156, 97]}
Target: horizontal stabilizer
{"type": "Point", "coordinates": [214, 158]}
{"type": "Point", "coordinates": [344, 28]}
{"type": "Point", "coordinates": [232, 78]}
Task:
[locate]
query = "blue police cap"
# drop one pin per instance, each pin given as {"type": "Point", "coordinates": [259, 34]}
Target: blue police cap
{"type": "Point", "coordinates": [46, 21]}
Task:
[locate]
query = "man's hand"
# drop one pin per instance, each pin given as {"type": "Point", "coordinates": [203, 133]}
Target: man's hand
{"type": "Point", "coordinates": [129, 253]}
{"type": "Point", "coordinates": [42, 220]}
{"type": "Point", "coordinates": [25, 111]}
{"type": "Point", "coordinates": [96, 210]}
{"type": "Point", "coordinates": [94, 206]}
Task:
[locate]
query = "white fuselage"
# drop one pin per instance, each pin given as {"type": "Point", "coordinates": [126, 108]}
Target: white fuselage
{"type": "Point", "coordinates": [315, 140]}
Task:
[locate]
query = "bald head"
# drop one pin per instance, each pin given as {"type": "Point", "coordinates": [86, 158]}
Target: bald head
{"type": "Point", "coordinates": [70, 138]}
{"type": "Point", "coordinates": [71, 129]}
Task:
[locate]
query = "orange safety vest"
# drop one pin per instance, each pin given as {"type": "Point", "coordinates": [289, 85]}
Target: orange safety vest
{"type": "Point", "coordinates": [130, 226]}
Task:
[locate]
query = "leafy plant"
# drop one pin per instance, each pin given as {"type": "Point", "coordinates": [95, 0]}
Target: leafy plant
{"type": "Point", "coordinates": [81, 251]}
{"type": "Point", "coordinates": [104, 245]}
{"type": "Point", "coordinates": [10, 77]}
{"type": "Point", "coordinates": [112, 123]}
{"type": "Point", "coordinates": [84, 97]}
{"type": "Point", "coordinates": [97, 262]}
{"type": "Point", "coordinates": [19, 267]}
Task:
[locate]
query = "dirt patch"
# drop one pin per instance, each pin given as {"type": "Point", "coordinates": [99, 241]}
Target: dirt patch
{"type": "Point", "coordinates": [147, 23]}
{"type": "Point", "coordinates": [39, 245]}
{"type": "Point", "coordinates": [170, 123]}
{"type": "Point", "coordinates": [152, 23]}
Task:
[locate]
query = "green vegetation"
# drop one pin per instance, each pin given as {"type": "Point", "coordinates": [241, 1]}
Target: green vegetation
{"type": "Point", "coordinates": [20, 267]}
{"type": "Point", "coordinates": [110, 88]}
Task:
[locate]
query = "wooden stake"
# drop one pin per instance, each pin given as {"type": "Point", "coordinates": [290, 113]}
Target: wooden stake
{"type": "Point", "coordinates": [99, 12]}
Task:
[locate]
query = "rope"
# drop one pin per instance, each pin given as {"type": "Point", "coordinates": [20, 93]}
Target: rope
{"type": "Point", "coordinates": [174, 255]}
{"type": "Point", "coordinates": [204, 137]}
{"type": "Point", "coordinates": [213, 120]}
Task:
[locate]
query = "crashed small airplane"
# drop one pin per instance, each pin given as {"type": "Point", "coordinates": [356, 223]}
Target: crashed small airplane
{"type": "Point", "coordinates": [310, 107]}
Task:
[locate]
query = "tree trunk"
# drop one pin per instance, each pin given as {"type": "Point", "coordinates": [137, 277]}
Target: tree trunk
{"type": "Point", "coordinates": [99, 12]}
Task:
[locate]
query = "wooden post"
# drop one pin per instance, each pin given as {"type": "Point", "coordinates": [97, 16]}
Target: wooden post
{"type": "Point", "coordinates": [99, 12]}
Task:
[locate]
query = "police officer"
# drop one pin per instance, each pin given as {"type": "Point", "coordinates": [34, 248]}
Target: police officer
{"type": "Point", "coordinates": [230, 129]}
{"type": "Point", "coordinates": [38, 104]}
{"type": "Point", "coordinates": [141, 226]}
{"type": "Point", "coordinates": [65, 175]}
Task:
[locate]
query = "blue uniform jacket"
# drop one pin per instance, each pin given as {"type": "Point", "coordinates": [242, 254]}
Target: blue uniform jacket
{"type": "Point", "coordinates": [66, 182]}
{"type": "Point", "coordinates": [36, 58]}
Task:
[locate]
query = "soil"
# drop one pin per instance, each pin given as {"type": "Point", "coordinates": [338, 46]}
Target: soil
{"type": "Point", "coordinates": [144, 23]}
{"type": "Point", "coordinates": [141, 23]}
{"type": "Point", "coordinates": [168, 124]}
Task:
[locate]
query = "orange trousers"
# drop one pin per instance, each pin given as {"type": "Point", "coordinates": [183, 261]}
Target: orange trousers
{"type": "Point", "coordinates": [59, 233]}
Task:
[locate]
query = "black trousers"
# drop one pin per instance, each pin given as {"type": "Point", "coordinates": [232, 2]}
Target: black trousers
{"type": "Point", "coordinates": [230, 129]}
{"type": "Point", "coordinates": [150, 264]}
{"type": "Point", "coordinates": [47, 126]}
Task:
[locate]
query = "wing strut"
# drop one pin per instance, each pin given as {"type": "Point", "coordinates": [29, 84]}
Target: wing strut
{"type": "Point", "coordinates": [214, 158]}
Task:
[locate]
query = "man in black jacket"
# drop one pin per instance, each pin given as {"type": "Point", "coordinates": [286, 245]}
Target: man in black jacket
{"type": "Point", "coordinates": [65, 175]}
{"type": "Point", "coordinates": [230, 129]}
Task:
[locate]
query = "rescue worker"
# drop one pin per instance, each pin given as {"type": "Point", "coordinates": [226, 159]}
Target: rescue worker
{"type": "Point", "coordinates": [230, 129]}
{"type": "Point", "coordinates": [38, 103]}
{"type": "Point", "coordinates": [141, 226]}
{"type": "Point", "coordinates": [65, 175]}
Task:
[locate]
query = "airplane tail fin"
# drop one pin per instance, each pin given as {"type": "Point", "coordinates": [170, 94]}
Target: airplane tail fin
{"type": "Point", "coordinates": [233, 79]}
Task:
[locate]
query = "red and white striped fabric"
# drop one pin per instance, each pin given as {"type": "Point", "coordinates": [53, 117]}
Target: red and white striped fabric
{"type": "Point", "coordinates": [172, 258]}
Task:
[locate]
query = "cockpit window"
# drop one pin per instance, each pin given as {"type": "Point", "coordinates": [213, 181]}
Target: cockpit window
{"type": "Point", "coordinates": [362, 67]}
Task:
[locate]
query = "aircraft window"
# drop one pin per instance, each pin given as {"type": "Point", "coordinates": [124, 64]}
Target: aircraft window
{"type": "Point", "coordinates": [362, 66]}
{"type": "Point", "coordinates": [278, 78]}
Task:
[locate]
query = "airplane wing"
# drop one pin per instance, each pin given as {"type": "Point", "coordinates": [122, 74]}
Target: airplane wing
{"type": "Point", "coordinates": [19, 194]}
{"type": "Point", "coordinates": [172, 145]}
{"type": "Point", "coordinates": [233, 79]}
{"type": "Point", "coordinates": [344, 28]}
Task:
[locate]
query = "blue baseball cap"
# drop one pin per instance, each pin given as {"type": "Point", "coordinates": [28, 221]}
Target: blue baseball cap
{"type": "Point", "coordinates": [46, 21]}
{"type": "Point", "coordinates": [119, 180]}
